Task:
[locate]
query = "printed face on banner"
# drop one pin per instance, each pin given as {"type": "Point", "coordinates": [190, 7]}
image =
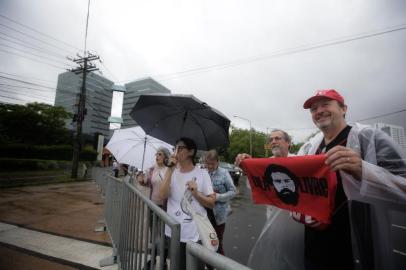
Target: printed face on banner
{"type": "Point", "coordinates": [302, 184]}
{"type": "Point", "coordinates": [282, 182]}
{"type": "Point", "coordinates": [284, 186]}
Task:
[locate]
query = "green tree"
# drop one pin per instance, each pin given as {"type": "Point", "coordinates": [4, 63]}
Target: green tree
{"type": "Point", "coordinates": [295, 147]}
{"type": "Point", "coordinates": [239, 143]}
{"type": "Point", "coordinates": [34, 123]}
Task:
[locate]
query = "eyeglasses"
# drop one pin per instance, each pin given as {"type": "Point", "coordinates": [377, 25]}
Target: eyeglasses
{"type": "Point", "coordinates": [271, 139]}
{"type": "Point", "coordinates": [180, 147]}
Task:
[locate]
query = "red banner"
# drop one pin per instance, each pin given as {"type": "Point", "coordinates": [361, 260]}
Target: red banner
{"type": "Point", "coordinates": [301, 184]}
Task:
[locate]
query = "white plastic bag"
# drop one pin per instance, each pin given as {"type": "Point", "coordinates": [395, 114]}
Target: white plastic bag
{"type": "Point", "coordinates": [207, 234]}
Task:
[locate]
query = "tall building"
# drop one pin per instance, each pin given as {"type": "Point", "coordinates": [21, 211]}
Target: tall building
{"type": "Point", "coordinates": [133, 90]}
{"type": "Point", "coordinates": [98, 101]}
{"type": "Point", "coordinates": [396, 132]}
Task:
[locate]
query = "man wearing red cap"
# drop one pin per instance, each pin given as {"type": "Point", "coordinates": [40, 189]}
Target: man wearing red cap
{"type": "Point", "coordinates": [370, 168]}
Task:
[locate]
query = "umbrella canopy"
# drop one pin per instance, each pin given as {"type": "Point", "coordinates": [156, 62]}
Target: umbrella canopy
{"type": "Point", "coordinates": [132, 146]}
{"type": "Point", "coordinates": [169, 117]}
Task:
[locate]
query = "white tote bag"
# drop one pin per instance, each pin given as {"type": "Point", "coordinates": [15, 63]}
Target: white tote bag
{"type": "Point", "coordinates": [208, 235]}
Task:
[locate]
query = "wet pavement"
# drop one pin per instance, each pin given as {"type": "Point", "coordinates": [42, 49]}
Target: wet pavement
{"type": "Point", "coordinates": [244, 225]}
{"type": "Point", "coordinates": [42, 226]}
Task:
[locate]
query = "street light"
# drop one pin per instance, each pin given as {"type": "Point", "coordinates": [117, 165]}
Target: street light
{"type": "Point", "coordinates": [249, 121]}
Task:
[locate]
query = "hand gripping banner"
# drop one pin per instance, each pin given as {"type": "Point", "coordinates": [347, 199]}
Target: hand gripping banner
{"type": "Point", "coordinates": [301, 184]}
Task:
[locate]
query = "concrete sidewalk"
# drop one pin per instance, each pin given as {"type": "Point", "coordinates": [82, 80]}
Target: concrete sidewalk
{"type": "Point", "coordinates": [52, 227]}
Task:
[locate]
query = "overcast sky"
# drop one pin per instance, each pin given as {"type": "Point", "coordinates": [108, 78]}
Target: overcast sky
{"type": "Point", "coordinates": [258, 59]}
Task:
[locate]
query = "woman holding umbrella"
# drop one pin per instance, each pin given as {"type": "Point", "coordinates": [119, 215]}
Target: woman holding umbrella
{"type": "Point", "coordinates": [185, 175]}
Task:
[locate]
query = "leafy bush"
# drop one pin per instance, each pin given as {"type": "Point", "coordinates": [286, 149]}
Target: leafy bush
{"type": "Point", "coordinates": [10, 164]}
{"type": "Point", "coordinates": [44, 152]}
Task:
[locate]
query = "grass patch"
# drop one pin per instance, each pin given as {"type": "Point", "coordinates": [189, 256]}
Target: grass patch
{"type": "Point", "coordinates": [34, 178]}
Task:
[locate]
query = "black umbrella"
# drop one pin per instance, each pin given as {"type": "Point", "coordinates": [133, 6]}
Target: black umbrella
{"type": "Point", "coordinates": [169, 117]}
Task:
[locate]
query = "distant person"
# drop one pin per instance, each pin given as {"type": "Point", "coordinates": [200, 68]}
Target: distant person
{"type": "Point", "coordinates": [116, 168]}
{"type": "Point", "coordinates": [284, 182]}
{"type": "Point", "coordinates": [225, 191]}
{"type": "Point", "coordinates": [185, 175]}
{"type": "Point", "coordinates": [105, 157]}
{"type": "Point", "coordinates": [125, 169]}
{"type": "Point", "coordinates": [84, 170]}
{"type": "Point", "coordinates": [369, 164]}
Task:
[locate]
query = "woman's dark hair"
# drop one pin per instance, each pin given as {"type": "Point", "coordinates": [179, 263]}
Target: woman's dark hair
{"type": "Point", "coordinates": [190, 145]}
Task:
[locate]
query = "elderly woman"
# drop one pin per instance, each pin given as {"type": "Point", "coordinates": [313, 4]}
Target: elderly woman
{"type": "Point", "coordinates": [225, 190]}
{"type": "Point", "coordinates": [155, 175]}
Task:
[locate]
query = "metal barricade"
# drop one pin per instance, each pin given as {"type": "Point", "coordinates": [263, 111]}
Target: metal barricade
{"type": "Point", "coordinates": [112, 214]}
{"type": "Point", "coordinates": [99, 176]}
{"type": "Point", "coordinates": [141, 239]}
{"type": "Point", "coordinates": [136, 228]}
{"type": "Point", "coordinates": [196, 254]}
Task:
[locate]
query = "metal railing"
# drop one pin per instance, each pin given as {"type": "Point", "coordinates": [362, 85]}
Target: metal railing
{"type": "Point", "coordinates": [112, 214]}
{"type": "Point", "coordinates": [140, 239]}
{"type": "Point", "coordinates": [136, 228]}
{"type": "Point", "coordinates": [99, 175]}
{"type": "Point", "coordinates": [196, 254]}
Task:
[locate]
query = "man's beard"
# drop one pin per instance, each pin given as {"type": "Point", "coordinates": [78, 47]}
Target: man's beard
{"type": "Point", "coordinates": [288, 197]}
{"type": "Point", "coordinates": [276, 151]}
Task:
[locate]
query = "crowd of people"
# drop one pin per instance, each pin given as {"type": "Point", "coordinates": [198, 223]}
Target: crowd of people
{"type": "Point", "coordinates": [367, 163]}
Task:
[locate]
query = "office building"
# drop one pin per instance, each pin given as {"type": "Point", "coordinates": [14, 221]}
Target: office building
{"type": "Point", "coordinates": [100, 117]}
{"type": "Point", "coordinates": [132, 92]}
{"type": "Point", "coordinates": [98, 101]}
{"type": "Point", "coordinates": [396, 132]}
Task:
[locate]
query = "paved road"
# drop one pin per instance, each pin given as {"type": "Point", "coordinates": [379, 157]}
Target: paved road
{"type": "Point", "coordinates": [243, 226]}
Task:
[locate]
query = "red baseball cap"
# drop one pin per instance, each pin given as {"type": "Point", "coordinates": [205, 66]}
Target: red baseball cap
{"type": "Point", "coordinates": [327, 93]}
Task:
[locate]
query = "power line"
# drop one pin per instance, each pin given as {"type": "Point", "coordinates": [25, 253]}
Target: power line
{"type": "Point", "coordinates": [108, 70]}
{"type": "Point", "coordinates": [381, 115]}
{"type": "Point", "coordinates": [33, 59]}
{"type": "Point", "coordinates": [57, 89]}
{"type": "Point", "coordinates": [87, 26]}
{"type": "Point", "coordinates": [279, 53]}
{"type": "Point", "coordinates": [32, 29]}
{"type": "Point", "coordinates": [33, 54]}
{"type": "Point", "coordinates": [15, 75]}
{"type": "Point", "coordinates": [29, 88]}
{"type": "Point", "coordinates": [35, 38]}
{"type": "Point", "coordinates": [14, 98]}
{"type": "Point", "coordinates": [25, 94]}
{"type": "Point", "coordinates": [25, 82]}
{"type": "Point", "coordinates": [36, 48]}
{"type": "Point", "coordinates": [54, 90]}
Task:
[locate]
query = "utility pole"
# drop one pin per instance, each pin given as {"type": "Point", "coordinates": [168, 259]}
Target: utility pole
{"type": "Point", "coordinates": [85, 66]}
{"type": "Point", "coordinates": [250, 131]}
